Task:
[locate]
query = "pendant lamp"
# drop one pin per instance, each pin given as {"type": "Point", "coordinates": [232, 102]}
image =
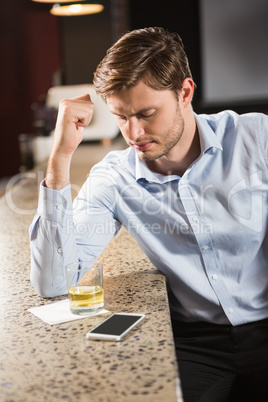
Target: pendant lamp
{"type": "Point", "coordinates": [75, 7]}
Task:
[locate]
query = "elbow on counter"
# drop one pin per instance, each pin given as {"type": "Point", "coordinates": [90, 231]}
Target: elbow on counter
{"type": "Point", "coordinates": [44, 282]}
{"type": "Point", "coordinates": [44, 289]}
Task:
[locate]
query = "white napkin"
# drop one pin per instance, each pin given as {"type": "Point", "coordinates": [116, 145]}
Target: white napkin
{"type": "Point", "coordinates": [56, 313]}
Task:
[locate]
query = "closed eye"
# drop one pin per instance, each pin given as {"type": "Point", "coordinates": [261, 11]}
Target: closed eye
{"type": "Point", "coordinates": [147, 114]}
{"type": "Point", "coordinates": [121, 117]}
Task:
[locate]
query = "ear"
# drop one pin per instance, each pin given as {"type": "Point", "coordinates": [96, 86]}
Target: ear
{"type": "Point", "coordinates": [187, 92]}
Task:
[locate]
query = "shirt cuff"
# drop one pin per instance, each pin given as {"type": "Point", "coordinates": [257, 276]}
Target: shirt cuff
{"type": "Point", "coordinates": [55, 205]}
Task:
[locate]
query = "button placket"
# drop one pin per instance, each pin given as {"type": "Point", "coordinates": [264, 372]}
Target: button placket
{"type": "Point", "coordinates": [202, 236]}
{"type": "Point", "coordinates": [203, 231]}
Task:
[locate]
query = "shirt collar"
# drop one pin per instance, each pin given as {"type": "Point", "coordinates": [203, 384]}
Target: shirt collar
{"type": "Point", "coordinates": [208, 140]}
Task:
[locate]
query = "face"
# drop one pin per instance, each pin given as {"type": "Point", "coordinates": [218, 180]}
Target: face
{"type": "Point", "coordinates": [150, 120]}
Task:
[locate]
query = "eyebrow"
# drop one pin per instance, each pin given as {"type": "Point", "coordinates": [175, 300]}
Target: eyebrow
{"type": "Point", "coordinates": [137, 113]}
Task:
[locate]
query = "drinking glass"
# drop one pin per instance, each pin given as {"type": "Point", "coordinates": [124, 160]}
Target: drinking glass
{"type": "Point", "coordinates": [85, 287]}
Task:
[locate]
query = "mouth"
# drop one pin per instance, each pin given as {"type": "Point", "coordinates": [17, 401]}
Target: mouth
{"type": "Point", "coordinates": [142, 146]}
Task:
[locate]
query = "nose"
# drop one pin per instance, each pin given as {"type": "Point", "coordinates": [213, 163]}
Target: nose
{"type": "Point", "coordinates": [135, 129]}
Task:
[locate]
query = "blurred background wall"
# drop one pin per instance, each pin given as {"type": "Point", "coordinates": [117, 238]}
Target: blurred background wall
{"type": "Point", "coordinates": [40, 50]}
{"type": "Point", "coordinates": [234, 51]}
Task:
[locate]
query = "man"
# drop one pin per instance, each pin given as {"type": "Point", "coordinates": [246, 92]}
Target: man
{"type": "Point", "coordinates": [192, 190]}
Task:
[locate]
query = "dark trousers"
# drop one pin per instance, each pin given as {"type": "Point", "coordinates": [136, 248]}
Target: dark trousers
{"type": "Point", "coordinates": [222, 363]}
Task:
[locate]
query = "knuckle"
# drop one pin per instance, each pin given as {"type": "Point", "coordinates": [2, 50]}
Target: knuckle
{"type": "Point", "coordinates": [64, 105]}
{"type": "Point", "coordinates": [64, 102]}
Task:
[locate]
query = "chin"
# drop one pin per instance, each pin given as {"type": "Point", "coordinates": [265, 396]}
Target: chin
{"type": "Point", "coordinates": [149, 158]}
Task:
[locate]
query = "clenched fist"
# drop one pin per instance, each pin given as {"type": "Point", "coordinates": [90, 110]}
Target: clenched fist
{"type": "Point", "coordinates": [73, 116]}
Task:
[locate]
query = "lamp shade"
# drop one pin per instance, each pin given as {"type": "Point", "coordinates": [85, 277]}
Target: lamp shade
{"type": "Point", "coordinates": [76, 8]}
{"type": "Point", "coordinates": [54, 1]}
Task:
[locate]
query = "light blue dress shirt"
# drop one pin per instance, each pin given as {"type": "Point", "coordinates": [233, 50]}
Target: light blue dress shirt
{"type": "Point", "coordinates": [207, 231]}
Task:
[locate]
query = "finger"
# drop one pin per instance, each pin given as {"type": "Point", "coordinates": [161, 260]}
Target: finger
{"type": "Point", "coordinates": [84, 118]}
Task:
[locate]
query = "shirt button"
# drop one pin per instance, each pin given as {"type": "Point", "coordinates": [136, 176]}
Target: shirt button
{"type": "Point", "coordinates": [59, 207]}
{"type": "Point", "coordinates": [215, 277]}
{"type": "Point", "coordinates": [182, 181]}
{"type": "Point", "coordinates": [206, 247]}
{"type": "Point", "coordinates": [230, 310]}
{"type": "Point", "coordinates": [59, 250]}
{"type": "Point", "coordinates": [194, 219]}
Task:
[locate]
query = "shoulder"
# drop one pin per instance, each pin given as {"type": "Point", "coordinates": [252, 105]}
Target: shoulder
{"type": "Point", "coordinates": [117, 158]}
{"type": "Point", "coordinates": [249, 129]}
{"type": "Point", "coordinates": [230, 122]}
{"type": "Point", "coordinates": [105, 178]}
{"type": "Point", "coordinates": [253, 120]}
{"type": "Point", "coordinates": [116, 163]}
{"type": "Point", "coordinates": [230, 118]}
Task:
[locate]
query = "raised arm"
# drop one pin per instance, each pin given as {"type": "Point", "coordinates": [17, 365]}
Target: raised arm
{"type": "Point", "coordinates": [53, 242]}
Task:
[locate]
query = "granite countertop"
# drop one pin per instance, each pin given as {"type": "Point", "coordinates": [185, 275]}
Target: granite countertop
{"type": "Point", "coordinates": [40, 362]}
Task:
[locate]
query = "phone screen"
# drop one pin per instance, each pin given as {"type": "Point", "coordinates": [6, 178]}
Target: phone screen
{"type": "Point", "coordinates": [116, 324]}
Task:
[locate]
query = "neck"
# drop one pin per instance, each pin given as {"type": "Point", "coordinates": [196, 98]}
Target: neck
{"type": "Point", "coordinates": [182, 155]}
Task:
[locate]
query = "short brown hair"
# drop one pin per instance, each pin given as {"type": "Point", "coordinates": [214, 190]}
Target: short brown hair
{"type": "Point", "coordinates": [153, 55]}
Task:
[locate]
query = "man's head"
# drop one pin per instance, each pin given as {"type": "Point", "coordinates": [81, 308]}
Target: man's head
{"type": "Point", "coordinates": [151, 55]}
